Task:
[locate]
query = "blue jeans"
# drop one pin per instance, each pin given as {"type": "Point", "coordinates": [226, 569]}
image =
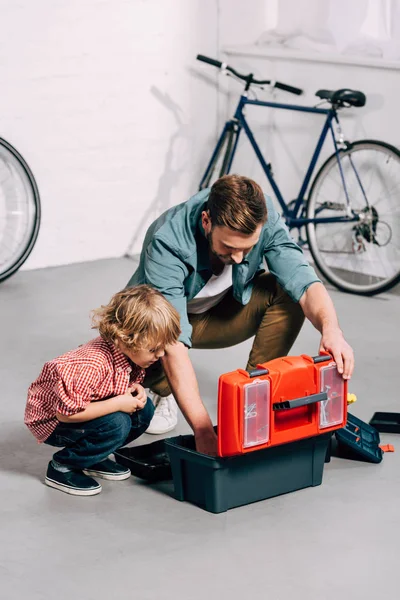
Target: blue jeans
{"type": "Point", "coordinates": [85, 444]}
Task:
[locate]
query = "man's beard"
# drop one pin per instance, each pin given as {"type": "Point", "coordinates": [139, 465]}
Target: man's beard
{"type": "Point", "coordinates": [222, 257]}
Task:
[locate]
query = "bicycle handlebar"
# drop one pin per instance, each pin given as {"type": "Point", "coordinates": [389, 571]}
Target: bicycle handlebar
{"type": "Point", "coordinates": [249, 79]}
{"type": "Point", "coordinates": [288, 88]}
{"type": "Point", "coordinates": [210, 61]}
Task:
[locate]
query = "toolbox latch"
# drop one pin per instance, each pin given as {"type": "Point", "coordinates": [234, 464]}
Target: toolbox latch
{"type": "Point", "coordinates": [387, 448]}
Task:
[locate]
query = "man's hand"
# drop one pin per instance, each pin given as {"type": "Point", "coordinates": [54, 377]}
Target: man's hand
{"type": "Point", "coordinates": [332, 341]}
{"type": "Point", "coordinates": [130, 404]}
{"type": "Point", "coordinates": [206, 442]}
{"type": "Point", "coordinates": [318, 308]}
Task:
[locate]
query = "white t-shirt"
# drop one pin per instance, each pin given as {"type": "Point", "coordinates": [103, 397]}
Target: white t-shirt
{"type": "Point", "coordinates": [212, 293]}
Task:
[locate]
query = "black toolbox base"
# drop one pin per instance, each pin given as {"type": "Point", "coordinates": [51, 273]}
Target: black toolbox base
{"type": "Point", "coordinates": [218, 484]}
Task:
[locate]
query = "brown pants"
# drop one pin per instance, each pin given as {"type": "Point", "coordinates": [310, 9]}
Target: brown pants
{"type": "Point", "coordinates": [271, 316]}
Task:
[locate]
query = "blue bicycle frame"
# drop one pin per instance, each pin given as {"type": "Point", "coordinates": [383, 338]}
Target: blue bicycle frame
{"type": "Point", "coordinates": [292, 216]}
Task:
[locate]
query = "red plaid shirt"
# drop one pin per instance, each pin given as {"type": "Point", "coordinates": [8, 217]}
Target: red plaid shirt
{"type": "Point", "coordinates": [95, 371]}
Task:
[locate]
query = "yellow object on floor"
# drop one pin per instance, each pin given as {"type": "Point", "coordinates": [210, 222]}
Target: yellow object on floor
{"type": "Point", "coordinates": [351, 398]}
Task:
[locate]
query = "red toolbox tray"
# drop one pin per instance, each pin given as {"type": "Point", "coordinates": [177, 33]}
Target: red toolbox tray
{"type": "Point", "coordinates": [283, 400]}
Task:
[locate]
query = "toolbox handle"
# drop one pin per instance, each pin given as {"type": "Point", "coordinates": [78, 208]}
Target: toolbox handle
{"type": "Point", "coordinates": [321, 358]}
{"type": "Point", "coordinates": [258, 372]}
{"type": "Point", "coordinates": [288, 404]}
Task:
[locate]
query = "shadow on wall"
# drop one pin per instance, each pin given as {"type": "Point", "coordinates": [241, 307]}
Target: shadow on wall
{"type": "Point", "coordinates": [174, 167]}
{"type": "Point", "coordinates": [179, 161]}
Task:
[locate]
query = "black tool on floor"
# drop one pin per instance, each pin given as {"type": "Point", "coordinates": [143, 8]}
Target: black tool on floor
{"type": "Point", "coordinates": [386, 422]}
{"type": "Point", "coordinates": [149, 462]}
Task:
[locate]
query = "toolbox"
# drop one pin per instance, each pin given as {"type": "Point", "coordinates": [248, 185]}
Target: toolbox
{"type": "Point", "coordinates": [274, 429]}
{"type": "Point", "coordinates": [283, 400]}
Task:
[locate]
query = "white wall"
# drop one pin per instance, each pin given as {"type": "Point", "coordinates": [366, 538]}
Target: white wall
{"type": "Point", "coordinates": [103, 100]}
{"type": "Point", "coordinates": [241, 22]}
{"type": "Point", "coordinates": [106, 102]}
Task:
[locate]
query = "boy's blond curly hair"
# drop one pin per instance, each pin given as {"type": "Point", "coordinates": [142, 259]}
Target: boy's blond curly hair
{"type": "Point", "coordinates": [139, 317]}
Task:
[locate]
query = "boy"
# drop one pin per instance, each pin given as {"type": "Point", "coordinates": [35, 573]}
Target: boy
{"type": "Point", "coordinates": [89, 401]}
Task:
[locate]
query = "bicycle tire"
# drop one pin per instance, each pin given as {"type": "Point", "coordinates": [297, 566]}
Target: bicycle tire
{"type": "Point", "coordinates": [224, 152]}
{"type": "Point", "coordinates": [22, 221]}
{"type": "Point", "coordinates": [363, 239]}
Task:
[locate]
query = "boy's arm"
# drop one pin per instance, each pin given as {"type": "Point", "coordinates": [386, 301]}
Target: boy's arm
{"type": "Point", "coordinates": [93, 411]}
{"type": "Point", "coordinates": [124, 403]}
{"type": "Point", "coordinates": [182, 379]}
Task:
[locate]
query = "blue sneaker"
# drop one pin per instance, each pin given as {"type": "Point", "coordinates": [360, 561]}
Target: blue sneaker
{"type": "Point", "coordinates": [71, 482]}
{"type": "Point", "coordinates": [108, 469]}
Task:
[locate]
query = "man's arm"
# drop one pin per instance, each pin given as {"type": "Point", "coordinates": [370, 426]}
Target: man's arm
{"type": "Point", "coordinates": [166, 272]}
{"type": "Point", "coordinates": [182, 379]}
{"type": "Point", "coordinates": [286, 261]}
{"type": "Point", "coordinates": [318, 308]}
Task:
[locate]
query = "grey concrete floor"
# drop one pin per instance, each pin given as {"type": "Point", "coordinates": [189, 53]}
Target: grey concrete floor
{"type": "Point", "coordinates": [339, 540]}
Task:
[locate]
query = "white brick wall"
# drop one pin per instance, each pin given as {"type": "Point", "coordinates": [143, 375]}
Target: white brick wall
{"type": "Point", "coordinates": [103, 99]}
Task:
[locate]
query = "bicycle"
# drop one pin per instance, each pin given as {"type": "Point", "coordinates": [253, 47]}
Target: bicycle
{"type": "Point", "coordinates": [352, 235]}
{"type": "Point", "coordinates": [20, 210]}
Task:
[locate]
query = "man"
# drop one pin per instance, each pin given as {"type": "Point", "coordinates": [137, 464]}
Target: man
{"type": "Point", "coordinates": [206, 257]}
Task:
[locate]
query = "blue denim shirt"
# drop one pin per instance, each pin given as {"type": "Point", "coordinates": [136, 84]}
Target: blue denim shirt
{"type": "Point", "coordinates": [175, 258]}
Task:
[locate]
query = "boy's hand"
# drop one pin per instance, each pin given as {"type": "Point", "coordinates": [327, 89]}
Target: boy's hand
{"type": "Point", "coordinates": [130, 404]}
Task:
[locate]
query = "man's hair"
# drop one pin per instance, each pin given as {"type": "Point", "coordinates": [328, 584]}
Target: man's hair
{"type": "Point", "coordinates": [139, 317]}
{"type": "Point", "coordinates": [238, 203]}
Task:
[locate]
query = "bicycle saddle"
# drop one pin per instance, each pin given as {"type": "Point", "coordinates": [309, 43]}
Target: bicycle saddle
{"type": "Point", "coordinates": [342, 97]}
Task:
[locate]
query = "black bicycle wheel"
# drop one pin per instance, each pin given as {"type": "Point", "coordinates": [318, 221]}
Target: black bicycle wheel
{"type": "Point", "coordinates": [220, 164]}
{"type": "Point", "coordinates": [360, 257]}
{"type": "Point", "coordinates": [19, 210]}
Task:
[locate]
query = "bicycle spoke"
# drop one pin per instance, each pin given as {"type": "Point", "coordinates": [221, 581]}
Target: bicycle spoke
{"type": "Point", "coordinates": [347, 253]}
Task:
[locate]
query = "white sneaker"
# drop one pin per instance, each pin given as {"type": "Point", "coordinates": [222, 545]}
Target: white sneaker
{"type": "Point", "coordinates": [165, 416]}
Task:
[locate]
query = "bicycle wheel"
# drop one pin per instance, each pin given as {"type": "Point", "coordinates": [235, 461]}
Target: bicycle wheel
{"type": "Point", "coordinates": [222, 159]}
{"type": "Point", "coordinates": [361, 257]}
{"type": "Point", "coordinates": [19, 210]}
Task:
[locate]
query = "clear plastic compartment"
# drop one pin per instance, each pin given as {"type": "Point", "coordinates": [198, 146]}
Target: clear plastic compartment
{"type": "Point", "coordinates": [256, 413]}
{"type": "Point", "coordinates": [331, 411]}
